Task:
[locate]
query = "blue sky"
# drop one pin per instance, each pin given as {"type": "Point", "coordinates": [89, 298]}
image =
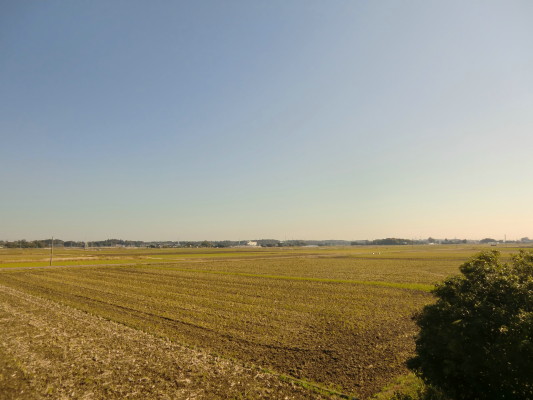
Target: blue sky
{"type": "Point", "coordinates": [283, 119]}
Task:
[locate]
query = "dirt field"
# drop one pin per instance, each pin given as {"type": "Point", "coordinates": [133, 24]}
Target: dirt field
{"type": "Point", "coordinates": [252, 325]}
{"type": "Point", "coordinates": [55, 351]}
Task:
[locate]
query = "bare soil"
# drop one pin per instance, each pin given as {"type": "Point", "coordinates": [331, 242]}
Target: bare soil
{"type": "Point", "coordinates": [49, 350]}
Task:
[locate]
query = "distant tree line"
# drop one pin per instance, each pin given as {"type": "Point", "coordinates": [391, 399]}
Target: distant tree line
{"type": "Point", "coordinates": [116, 242]}
{"type": "Point", "coordinates": [168, 244]}
{"type": "Point", "coordinates": [388, 242]}
{"type": "Point", "coordinates": [24, 244]}
{"type": "Point", "coordinates": [400, 241]}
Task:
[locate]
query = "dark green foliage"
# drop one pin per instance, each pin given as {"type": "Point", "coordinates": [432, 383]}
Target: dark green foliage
{"type": "Point", "coordinates": [475, 342]}
{"type": "Point", "coordinates": [24, 244]}
{"type": "Point", "coordinates": [422, 393]}
{"type": "Point", "coordinates": [392, 242]}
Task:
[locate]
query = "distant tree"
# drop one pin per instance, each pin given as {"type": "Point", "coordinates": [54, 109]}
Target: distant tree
{"type": "Point", "coordinates": [267, 242]}
{"type": "Point", "coordinates": [487, 240]}
{"type": "Point", "coordinates": [206, 243]}
{"type": "Point", "coordinates": [223, 244]}
{"type": "Point", "coordinates": [476, 342]}
{"type": "Point", "coordinates": [392, 242]}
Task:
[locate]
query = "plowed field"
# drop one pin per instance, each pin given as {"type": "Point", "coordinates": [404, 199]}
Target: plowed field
{"type": "Point", "coordinates": [305, 325]}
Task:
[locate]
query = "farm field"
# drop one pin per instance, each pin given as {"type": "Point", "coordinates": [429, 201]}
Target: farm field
{"type": "Point", "coordinates": [209, 323]}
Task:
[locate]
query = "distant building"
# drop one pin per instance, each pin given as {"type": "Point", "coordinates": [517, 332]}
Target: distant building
{"type": "Point", "coordinates": [253, 244]}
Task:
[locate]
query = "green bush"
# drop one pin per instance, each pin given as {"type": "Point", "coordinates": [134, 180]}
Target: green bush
{"type": "Point", "coordinates": [475, 342]}
{"type": "Point", "coordinates": [425, 393]}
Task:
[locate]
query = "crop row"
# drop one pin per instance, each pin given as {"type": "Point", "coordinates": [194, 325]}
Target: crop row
{"type": "Point", "coordinates": [345, 335]}
{"type": "Point", "coordinates": [53, 351]}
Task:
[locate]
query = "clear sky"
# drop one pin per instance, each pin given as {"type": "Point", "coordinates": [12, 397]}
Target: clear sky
{"type": "Point", "coordinates": [306, 119]}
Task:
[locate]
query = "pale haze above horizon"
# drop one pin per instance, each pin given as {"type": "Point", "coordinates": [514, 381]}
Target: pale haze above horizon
{"type": "Point", "coordinates": [250, 119]}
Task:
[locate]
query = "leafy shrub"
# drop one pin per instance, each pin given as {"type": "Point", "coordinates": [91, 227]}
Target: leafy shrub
{"type": "Point", "coordinates": [475, 342]}
{"type": "Point", "coordinates": [422, 393]}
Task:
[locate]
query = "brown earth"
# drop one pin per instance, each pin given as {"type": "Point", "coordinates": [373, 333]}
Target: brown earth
{"type": "Point", "coordinates": [354, 338]}
{"type": "Point", "coordinates": [48, 350]}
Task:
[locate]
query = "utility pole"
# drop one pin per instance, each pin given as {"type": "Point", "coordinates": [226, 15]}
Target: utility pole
{"type": "Point", "coordinates": [52, 251]}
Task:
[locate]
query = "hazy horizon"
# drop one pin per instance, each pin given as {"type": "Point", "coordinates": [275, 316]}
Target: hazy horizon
{"type": "Point", "coordinates": [230, 120]}
{"type": "Point", "coordinates": [242, 239]}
